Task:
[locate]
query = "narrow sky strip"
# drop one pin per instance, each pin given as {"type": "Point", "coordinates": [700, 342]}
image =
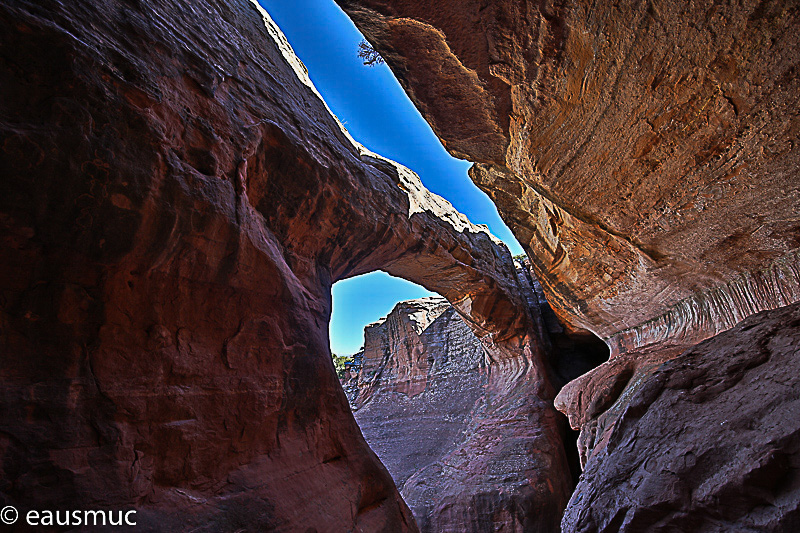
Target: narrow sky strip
{"type": "Point", "coordinates": [377, 112]}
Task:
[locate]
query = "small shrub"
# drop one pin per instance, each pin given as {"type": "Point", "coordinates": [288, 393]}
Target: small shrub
{"type": "Point", "coordinates": [368, 54]}
{"type": "Point", "coordinates": [339, 363]}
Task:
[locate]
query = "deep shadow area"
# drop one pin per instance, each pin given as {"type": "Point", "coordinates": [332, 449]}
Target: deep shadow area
{"type": "Point", "coordinates": [574, 354]}
{"type": "Point", "coordinates": [571, 356]}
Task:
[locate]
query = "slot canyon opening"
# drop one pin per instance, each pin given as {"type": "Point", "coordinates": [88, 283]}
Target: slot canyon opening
{"type": "Point", "coordinates": [573, 354]}
{"type": "Point", "coordinates": [375, 109]}
{"type": "Point", "coordinates": [416, 383]}
{"type": "Point", "coordinates": [422, 374]}
{"type": "Point", "coordinates": [399, 337]}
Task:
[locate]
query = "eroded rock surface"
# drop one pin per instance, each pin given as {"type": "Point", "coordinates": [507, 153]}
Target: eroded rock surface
{"type": "Point", "coordinates": [645, 155]}
{"type": "Point", "coordinates": [421, 385]}
{"type": "Point", "coordinates": [175, 202]}
{"type": "Point", "coordinates": [423, 401]}
{"type": "Point", "coordinates": [707, 441]}
{"type": "Point", "coordinates": [418, 339]}
{"type": "Point", "coordinates": [461, 453]}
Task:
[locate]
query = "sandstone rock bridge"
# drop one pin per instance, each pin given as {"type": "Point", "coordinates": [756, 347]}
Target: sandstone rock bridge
{"type": "Point", "coordinates": [176, 201]}
{"type": "Point", "coordinates": [176, 205]}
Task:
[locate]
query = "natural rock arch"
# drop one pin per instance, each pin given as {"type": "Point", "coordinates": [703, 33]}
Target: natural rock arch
{"type": "Point", "coordinates": [175, 211]}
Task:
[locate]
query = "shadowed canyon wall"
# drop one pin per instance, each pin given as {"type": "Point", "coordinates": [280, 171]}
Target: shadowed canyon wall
{"type": "Point", "coordinates": [176, 201]}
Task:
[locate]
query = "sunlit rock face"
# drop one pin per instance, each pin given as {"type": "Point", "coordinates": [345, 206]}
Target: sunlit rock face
{"type": "Point", "coordinates": [645, 155]}
{"type": "Point", "coordinates": [461, 451]}
{"type": "Point", "coordinates": [403, 348]}
{"type": "Point", "coordinates": [421, 385]}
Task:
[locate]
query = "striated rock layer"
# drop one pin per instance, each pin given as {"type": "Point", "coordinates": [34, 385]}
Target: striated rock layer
{"type": "Point", "coordinates": [403, 349]}
{"type": "Point", "coordinates": [645, 155]}
{"type": "Point", "coordinates": [421, 388]}
{"type": "Point", "coordinates": [464, 436]}
{"type": "Point", "coordinates": [175, 202]}
{"type": "Point", "coordinates": [707, 441]}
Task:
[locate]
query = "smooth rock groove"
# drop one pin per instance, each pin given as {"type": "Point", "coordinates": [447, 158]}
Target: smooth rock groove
{"type": "Point", "coordinates": [175, 204]}
{"type": "Point", "coordinates": [718, 309]}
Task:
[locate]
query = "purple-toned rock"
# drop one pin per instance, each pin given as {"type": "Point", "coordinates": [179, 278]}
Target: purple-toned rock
{"type": "Point", "coordinates": [464, 446]}
{"type": "Point", "coordinates": [707, 441]}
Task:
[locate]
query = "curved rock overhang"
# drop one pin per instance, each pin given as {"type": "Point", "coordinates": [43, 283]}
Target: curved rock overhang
{"type": "Point", "coordinates": [645, 155]}
{"type": "Point", "coordinates": [176, 202]}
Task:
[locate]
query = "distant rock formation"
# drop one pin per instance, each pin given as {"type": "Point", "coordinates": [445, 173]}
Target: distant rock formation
{"type": "Point", "coordinates": [417, 340]}
{"type": "Point", "coordinates": [421, 385]}
{"type": "Point", "coordinates": [422, 391]}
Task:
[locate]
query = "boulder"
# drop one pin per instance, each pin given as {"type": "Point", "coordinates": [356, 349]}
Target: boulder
{"type": "Point", "coordinates": [707, 441]}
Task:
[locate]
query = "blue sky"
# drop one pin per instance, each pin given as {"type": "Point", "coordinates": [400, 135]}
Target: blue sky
{"type": "Point", "coordinates": [378, 114]}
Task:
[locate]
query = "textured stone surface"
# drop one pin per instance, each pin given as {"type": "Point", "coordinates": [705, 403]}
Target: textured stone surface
{"type": "Point", "coordinates": [458, 450]}
{"type": "Point", "coordinates": [591, 401]}
{"type": "Point", "coordinates": [644, 154]}
{"type": "Point", "coordinates": [462, 452]}
{"type": "Point", "coordinates": [402, 350]}
{"type": "Point", "coordinates": [423, 376]}
{"type": "Point", "coordinates": [175, 203]}
{"type": "Point", "coordinates": [707, 441]}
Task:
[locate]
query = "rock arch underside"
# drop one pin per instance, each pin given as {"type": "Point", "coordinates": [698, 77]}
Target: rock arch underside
{"type": "Point", "coordinates": [176, 201]}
